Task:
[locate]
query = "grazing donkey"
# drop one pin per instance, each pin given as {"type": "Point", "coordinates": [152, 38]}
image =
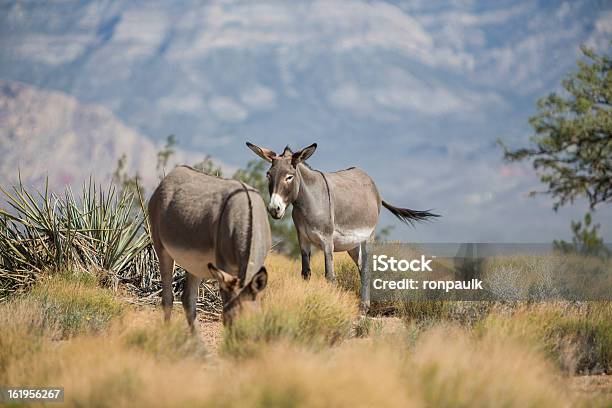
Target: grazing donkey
{"type": "Point", "coordinates": [198, 219]}
{"type": "Point", "coordinates": [334, 211]}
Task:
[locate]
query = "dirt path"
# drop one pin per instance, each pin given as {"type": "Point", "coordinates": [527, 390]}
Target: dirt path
{"type": "Point", "coordinates": [211, 333]}
{"type": "Point", "coordinates": [592, 384]}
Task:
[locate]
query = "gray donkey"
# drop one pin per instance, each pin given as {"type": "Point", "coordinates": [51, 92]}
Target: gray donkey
{"type": "Point", "coordinates": [335, 211]}
{"type": "Point", "coordinates": [197, 220]}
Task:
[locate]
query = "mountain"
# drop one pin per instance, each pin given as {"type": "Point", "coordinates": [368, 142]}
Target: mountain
{"type": "Point", "coordinates": [440, 76]}
{"type": "Point", "coordinates": [49, 133]}
{"type": "Point", "coordinates": [414, 92]}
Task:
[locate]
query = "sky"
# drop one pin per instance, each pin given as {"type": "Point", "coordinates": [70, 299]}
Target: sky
{"type": "Point", "coordinates": [416, 93]}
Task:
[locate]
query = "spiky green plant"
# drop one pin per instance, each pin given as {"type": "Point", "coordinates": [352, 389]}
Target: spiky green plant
{"type": "Point", "coordinates": [101, 230]}
{"type": "Point", "coordinates": [50, 232]}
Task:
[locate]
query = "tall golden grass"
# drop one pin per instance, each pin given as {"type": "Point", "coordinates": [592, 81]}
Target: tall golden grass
{"type": "Point", "coordinates": [314, 313]}
{"type": "Point", "coordinates": [446, 367]}
{"type": "Point", "coordinates": [299, 350]}
{"type": "Point", "coordinates": [576, 336]}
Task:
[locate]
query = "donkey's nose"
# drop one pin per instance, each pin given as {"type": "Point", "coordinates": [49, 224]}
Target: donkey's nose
{"type": "Point", "coordinates": [274, 210]}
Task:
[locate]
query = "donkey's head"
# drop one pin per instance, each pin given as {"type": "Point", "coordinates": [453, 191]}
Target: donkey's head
{"type": "Point", "coordinates": [238, 297]}
{"type": "Point", "coordinates": [283, 177]}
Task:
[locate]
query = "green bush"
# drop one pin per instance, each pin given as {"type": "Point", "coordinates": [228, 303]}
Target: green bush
{"type": "Point", "coordinates": [76, 303]}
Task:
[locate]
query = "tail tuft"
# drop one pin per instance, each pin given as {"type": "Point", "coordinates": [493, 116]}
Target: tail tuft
{"type": "Point", "coordinates": [409, 216]}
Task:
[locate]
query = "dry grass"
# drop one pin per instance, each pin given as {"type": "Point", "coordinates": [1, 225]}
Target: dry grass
{"type": "Point", "coordinates": [454, 369]}
{"type": "Point", "coordinates": [24, 328]}
{"type": "Point", "coordinates": [162, 340]}
{"type": "Point", "coordinates": [447, 367]}
{"type": "Point", "coordinates": [301, 352]}
{"type": "Point", "coordinates": [577, 336]}
{"type": "Point", "coordinates": [103, 371]}
{"type": "Point", "coordinates": [313, 313]}
{"type": "Point", "coordinates": [58, 307]}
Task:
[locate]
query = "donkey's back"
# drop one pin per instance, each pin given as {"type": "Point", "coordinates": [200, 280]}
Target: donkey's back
{"type": "Point", "coordinates": [194, 215]}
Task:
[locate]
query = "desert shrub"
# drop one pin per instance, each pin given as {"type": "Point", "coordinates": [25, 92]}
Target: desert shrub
{"type": "Point", "coordinates": [75, 303]}
{"type": "Point", "coordinates": [313, 313]}
{"type": "Point", "coordinates": [577, 336]}
{"type": "Point", "coordinates": [549, 276]}
{"type": "Point", "coordinates": [451, 368]}
{"type": "Point", "coordinates": [166, 340]}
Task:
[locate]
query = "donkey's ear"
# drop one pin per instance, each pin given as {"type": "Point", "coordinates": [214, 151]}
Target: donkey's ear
{"type": "Point", "coordinates": [259, 281]}
{"type": "Point", "coordinates": [226, 281]}
{"type": "Point", "coordinates": [303, 154]}
{"type": "Point", "coordinates": [262, 152]}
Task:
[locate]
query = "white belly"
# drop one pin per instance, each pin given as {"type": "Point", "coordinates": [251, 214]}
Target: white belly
{"type": "Point", "coordinates": [193, 261]}
{"type": "Point", "coordinates": [349, 239]}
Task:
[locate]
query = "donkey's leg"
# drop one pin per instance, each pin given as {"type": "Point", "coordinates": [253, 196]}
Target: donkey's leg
{"type": "Point", "coordinates": [359, 256]}
{"type": "Point", "coordinates": [166, 270]}
{"type": "Point", "coordinates": [364, 271]}
{"type": "Point", "coordinates": [328, 250]}
{"type": "Point", "coordinates": [190, 298]}
{"type": "Point", "coordinates": [305, 250]}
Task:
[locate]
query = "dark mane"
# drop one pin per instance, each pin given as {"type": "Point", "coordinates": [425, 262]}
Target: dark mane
{"type": "Point", "coordinates": [287, 151]}
{"type": "Point", "coordinates": [347, 169]}
{"type": "Point", "coordinates": [243, 268]}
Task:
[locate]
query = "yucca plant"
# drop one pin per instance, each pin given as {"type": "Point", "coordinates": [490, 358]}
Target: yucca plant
{"type": "Point", "coordinates": [49, 232]}
{"type": "Point", "coordinates": [103, 230]}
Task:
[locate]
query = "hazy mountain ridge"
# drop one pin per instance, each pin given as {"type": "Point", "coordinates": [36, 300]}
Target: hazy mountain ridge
{"type": "Point", "coordinates": [48, 133]}
{"type": "Point", "coordinates": [413, 92]}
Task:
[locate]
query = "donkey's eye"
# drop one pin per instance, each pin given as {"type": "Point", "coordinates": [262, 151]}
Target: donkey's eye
{"type": "Point", "coordinates": [268, 176]}
{"type": "Point", "coordinates": [288, 178]}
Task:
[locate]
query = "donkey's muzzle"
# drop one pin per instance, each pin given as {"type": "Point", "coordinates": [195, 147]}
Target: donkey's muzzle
{"type": "Point", "coordinates": [276, 212]}
{"type": "Point", "coordinates": [277, 206]}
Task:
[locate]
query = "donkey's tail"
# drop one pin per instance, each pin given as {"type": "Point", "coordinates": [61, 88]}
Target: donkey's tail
{"type": "Point", "coordinates": [407, 215]}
